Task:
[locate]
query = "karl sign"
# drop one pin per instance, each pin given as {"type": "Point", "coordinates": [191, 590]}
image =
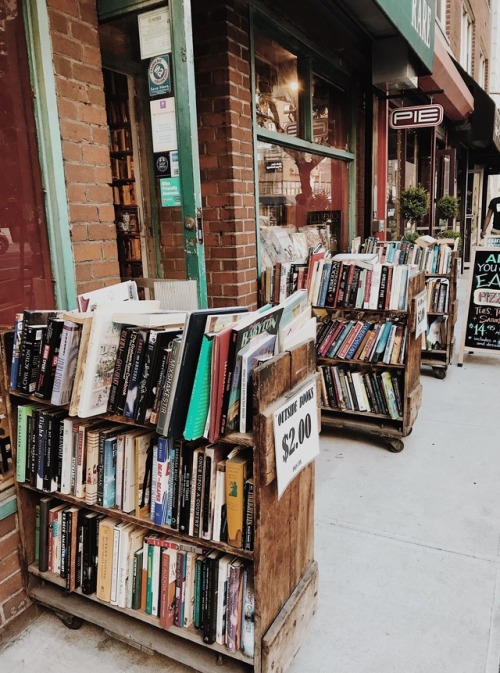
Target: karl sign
{"type": "Point", "coordinates": [416, 117]}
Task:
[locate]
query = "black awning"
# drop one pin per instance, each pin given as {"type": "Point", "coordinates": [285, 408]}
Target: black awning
{"type": "Point", "coordinates": [484, 131]}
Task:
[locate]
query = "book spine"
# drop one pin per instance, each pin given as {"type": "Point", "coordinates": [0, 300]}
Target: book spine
{"type": "Point", "coordinates": [118, 370]}
{"type": "Point", "coordinates": [121, 395]}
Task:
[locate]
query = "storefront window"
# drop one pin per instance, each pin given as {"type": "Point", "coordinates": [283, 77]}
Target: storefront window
{"type": "Point", "coordinates": [298, 189]}
{"type": "Point", "coordinates": [277, 87]}
{"type": "Point", "coordinates": [329, 114]}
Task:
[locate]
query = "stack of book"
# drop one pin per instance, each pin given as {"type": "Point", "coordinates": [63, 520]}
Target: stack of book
{"type": "Point", "coordinates": [376, 392]}
{"type": "Point", "coordinates": [203, 490]}
{"type": "Point", "coordinates": [181, 584]}
{"type": "Point", "coordinates": [183, 373]}
{"type": "Point", "coordinates": [426, 253]}
{"type": "Point", "coordinates": [362, 340]}
{"type": "Point", "coordinates": [360, 282]}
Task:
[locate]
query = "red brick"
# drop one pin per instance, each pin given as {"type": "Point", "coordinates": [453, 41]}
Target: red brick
{"type": "Point", "coordinates": [106, 213]}
{"type": "Point", "coordinates": [79, 233]}
{"type": "Point", "coordinates": [10, 586]}
{"type": "Point", "coordinates": [9, 565]}
{"type": "Point", "coordinates": [102, 174]}
{"type": "Point", "coordinates": [102, 232]}
{"type": "Point", "coordinates": [97, 194]}
{"type": "Point", "coordinates": [63, 66]}
{"type": "Point", "coordinates": [107, 269]}
{"type": "Point", "coordinates": [93, 114]}
{"type": "Point", "coordinates": [74, 131]}
{"type": "Point", "coordinates": [79, 173]}
{"type": "Point", "coordinates": [72, 151]}
{"type": "Point", "coordinates": [84, 33]}
{"type": "Point", "coordinates": [92, 55]}
{"type": "Point", "coordinates": [15, 605]}
{"type": "Point", "coordinates": [109, 250]}
{"type": "Point", "coordinates": [65, 46]}
{"type": "Point", "coordinates": [7, 526]}
{"type": "Point", "coordinates": [9, 544]}
{"type": "Point", "coordinates": [70, 7]}
{"type": "Point", "coordinates": [95, 96]}
{"type": "Point", "coordinates": [87, 252]}
{"type": "Point", "coordinates": [95, 154]}
{"type": "Point", "coordinates": [58, 22]}
{"type": "Point", "coordinates": [87, 74]}
{"type": "Point", "coordinates": [83, 272]}
{"type": "Point", "coordinates": [72, 90]}
{"type": "Point", "coordinates": [67, 108]}
{"type": "Point", "coordinates": [82, 212]}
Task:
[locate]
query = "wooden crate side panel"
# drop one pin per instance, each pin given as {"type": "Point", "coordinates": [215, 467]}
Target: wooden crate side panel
{"type": "Point", "coordinates": [413, 403]}
{"type": "Point", "coordinates": [271, 380]}
{"type": "Point", "coordinates": [283, 545]}
{"type": "Point", "coordinates": [302, 362]}
{"type": "Point", "coordinates": [284, 638]}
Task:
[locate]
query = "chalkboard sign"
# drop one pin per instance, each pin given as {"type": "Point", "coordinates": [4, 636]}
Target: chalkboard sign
{"type": "Point", "coordinates": [482, 326]}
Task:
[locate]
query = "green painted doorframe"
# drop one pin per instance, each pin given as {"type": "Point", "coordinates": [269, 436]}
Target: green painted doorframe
{"type": "Point", "coordinates": [187, 127]}
{"type": "Point", "coordinates": [50, 152]}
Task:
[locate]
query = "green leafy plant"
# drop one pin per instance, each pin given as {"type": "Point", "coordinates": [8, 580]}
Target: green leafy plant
{"type": "Point", "coordinates": [447, 207]}
{"type": "Point", "coordinates": [414, 203]}
{"type": "Point", "coordinates": [449, 233]}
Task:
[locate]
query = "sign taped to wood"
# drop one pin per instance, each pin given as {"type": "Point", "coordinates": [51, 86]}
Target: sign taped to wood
{"type": "Point", "coordinates": [482, 324]}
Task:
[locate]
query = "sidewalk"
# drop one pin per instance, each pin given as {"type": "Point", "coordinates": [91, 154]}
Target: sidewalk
{"type": "Point", "coordinates": [407, 546]}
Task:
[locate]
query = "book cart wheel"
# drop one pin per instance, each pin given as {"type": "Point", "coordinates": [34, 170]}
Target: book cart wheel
{"type": "Point", "coordinates": [70, 621]}
{"type": "Point", "coordinates": [395, 445]}
{"type": "Point", "coordinates": [439, 372]}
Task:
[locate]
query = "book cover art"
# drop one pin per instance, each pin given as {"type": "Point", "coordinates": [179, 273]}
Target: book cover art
{"type": "Point", "coordinates": [66, 363]}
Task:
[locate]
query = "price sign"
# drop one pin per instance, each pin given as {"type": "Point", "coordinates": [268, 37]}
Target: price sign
{"type": "Point", "coordinates": [296, 434]}
{"type": "Point", "coordinates": [421, 313]}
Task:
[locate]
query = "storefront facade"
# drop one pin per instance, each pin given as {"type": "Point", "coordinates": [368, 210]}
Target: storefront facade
{"type": "Point", "coordinates": [168, 134]}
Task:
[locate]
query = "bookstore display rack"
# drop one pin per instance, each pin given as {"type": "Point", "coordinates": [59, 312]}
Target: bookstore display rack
{"type": "Point", "coordinates": [377, 390]}
{"type": "Point", "coordinates": [123, 175]}
{"type": "Point", "coordinates": [442, 311]}
{"type": "Point", "coordinates": [280, 560]}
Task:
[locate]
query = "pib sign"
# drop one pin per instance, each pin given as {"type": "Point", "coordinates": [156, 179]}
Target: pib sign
{"type": "Point", "coordinates": [416, 117]}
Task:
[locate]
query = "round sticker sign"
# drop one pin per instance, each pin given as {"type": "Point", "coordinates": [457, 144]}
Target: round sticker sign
{"type": "Point", "coordinates": [159, 70]}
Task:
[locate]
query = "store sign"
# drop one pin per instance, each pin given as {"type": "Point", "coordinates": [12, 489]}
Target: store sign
{"type": "Point", "coordinates": [418, 116]}
{"type": "Point", "coordinates": [159, 76]}
{"type": "Point", "coordinates": [170, 192]}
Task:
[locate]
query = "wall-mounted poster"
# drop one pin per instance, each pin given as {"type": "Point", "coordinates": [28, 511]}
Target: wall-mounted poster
{"type": "Point", "coordinates": [163, 124]}
{"type": "Point", "coordinates": [170, 192]}
{"type": "Point", "coordinates": [160, 82]}
{"type": "Point", "coordinates": [154, 32]}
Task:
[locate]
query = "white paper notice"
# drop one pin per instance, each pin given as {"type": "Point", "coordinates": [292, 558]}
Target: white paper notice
{"type": "Point", "coordinates": [296, 434]}
{"type": "Point", "coordinates": [154, 32]}
{"type": "Point", "coordinates": [163, 125]}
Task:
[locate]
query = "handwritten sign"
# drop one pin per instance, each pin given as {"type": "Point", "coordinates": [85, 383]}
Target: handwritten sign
{"type": "Point", "coordinates": [482, 325]}
{"type": "Point", "coordinates": [296, 434]}
{"type": "Point", "coordinates": [420, 313]}
{"type": "Point", "coordinates": [492, 241]}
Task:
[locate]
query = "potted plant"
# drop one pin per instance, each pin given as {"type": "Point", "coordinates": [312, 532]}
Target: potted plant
{"type": "Point", "coordinates": [414, 204]}
{"type": "Point", "coordinates": [447, 207]}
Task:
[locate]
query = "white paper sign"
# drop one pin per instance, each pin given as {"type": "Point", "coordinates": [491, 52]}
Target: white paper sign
{"type": "Point", "coordinates": [163, 125]}
{"type": "Point", "coordinates": [421, 313]}
{"type": "Point", "coordinates": [154, 32]}
{"type": "Point", "coordinates": [296, 434]}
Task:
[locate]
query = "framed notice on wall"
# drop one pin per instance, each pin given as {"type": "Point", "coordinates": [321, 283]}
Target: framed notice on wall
{"type": "Point", "coordinates": [163, 124]}
{"type": "Point", "coordinates": [481, 329]}
{"type": "Point", "coordinates": [154, 32]}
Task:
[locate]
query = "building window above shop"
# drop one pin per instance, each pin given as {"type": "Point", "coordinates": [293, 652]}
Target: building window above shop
{"type": "Point", "coordinates": [441, 12]}
{"type": "Point", "coordinates": [466, 39]}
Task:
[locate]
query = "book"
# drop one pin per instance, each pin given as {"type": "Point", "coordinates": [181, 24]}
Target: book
{"type": "Point", "coordinates": [103, 344]}
{"type": "Point", "coordinates": [66, 363]}
{"type": "Point", "coordinates": [221, 606]}
{"type": "Point", "coordinates": [242, 333]}
{"type": "Point", "coordinates": [16, 351]}
{"type": "Point", "coordinates": [234, 605]}
{"type": "Point", "coordinates": [48, 361]}
{"type": "Point", "coordinates": [137, 363]}
{"type": "Point", "coordinates": [121, 353]}
{"type": "Point", "coordinates": [160, 471]}
{"type": "Point", "coordinates": [23, 412]}
{"type": "Point", "coordinates": [237, 471]}
{"type": "Point", "coordinates": [213, 455]}
{"type": "Point", "coordinates": [129, 469]}
{"type": "Point", "coordinates": [199, 404]}
{"type": "Point", "coordinates": [158, 341]}
{"type": "Point", "coordinates": [53, 454]}
{"type": "Point", "coordinates": [29, 318]}
{"type": "Point", "coordinates": [90, 524]}
{"type": "Point", "coordinates": [118, 292]}
{"type": "Point", "coordinates": [143, 466]}
{"type": "Point", "coordinates": [43, 555]}
{"type": "Point", "coordinates": [105, 558]}
{"type": "Point", "coordinates": [196, 490]}
{"type": "Point", "coordinates": [174, 420]}
{"type": "Point", "coordinates": [248, 515]}
{"type": "Point", "coordinates": [254, 352]}
{"type": "Point", "coordinates": [33, 340]}
{"type": "Point", "coordinates": [210, 596]}
{"type": "Point", "coordinates": [85, 320]}
{"type": "Point", "coordinates": [248, 613]}
{"type": "Point", "coordinates": [172, 319]}
{"type": "Point", "coordinates": [168, 387]}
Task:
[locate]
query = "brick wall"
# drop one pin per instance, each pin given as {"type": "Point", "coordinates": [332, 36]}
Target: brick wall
{"type": "Point", "coordinates": [222, 63]}
{"type": "Point", "coordinates": [13, 599]}
{"type": "Point", "coordinates": [84, 133]}
{"type": "Point", "coordinates": [482, 18]}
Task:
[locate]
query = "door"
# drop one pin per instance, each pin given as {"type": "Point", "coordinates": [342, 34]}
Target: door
{"type": "Point", "coordinates": [147, 48]}
{"type": "Point", "coordinates": [472, 224]}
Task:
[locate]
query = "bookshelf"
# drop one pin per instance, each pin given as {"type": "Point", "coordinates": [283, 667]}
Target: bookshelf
{"type": "Point", "coordinates": [285, 572]}
{"type": "Point", "coordinates": [339, 410]}
{"type": "Point", "coordinates": [439, 353]}
{"type": "Point", "coordinates": [123, 172]}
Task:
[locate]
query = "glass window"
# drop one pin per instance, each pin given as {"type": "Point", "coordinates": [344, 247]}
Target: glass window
{"type": "Point", "coordinates": [329, 114]}
{"type": "Point", "coordinates": [277, 87]}
{"type": "Point", "coordinates": [466, 40]}
{"type": "Point", "coordinates": [298, 189]}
